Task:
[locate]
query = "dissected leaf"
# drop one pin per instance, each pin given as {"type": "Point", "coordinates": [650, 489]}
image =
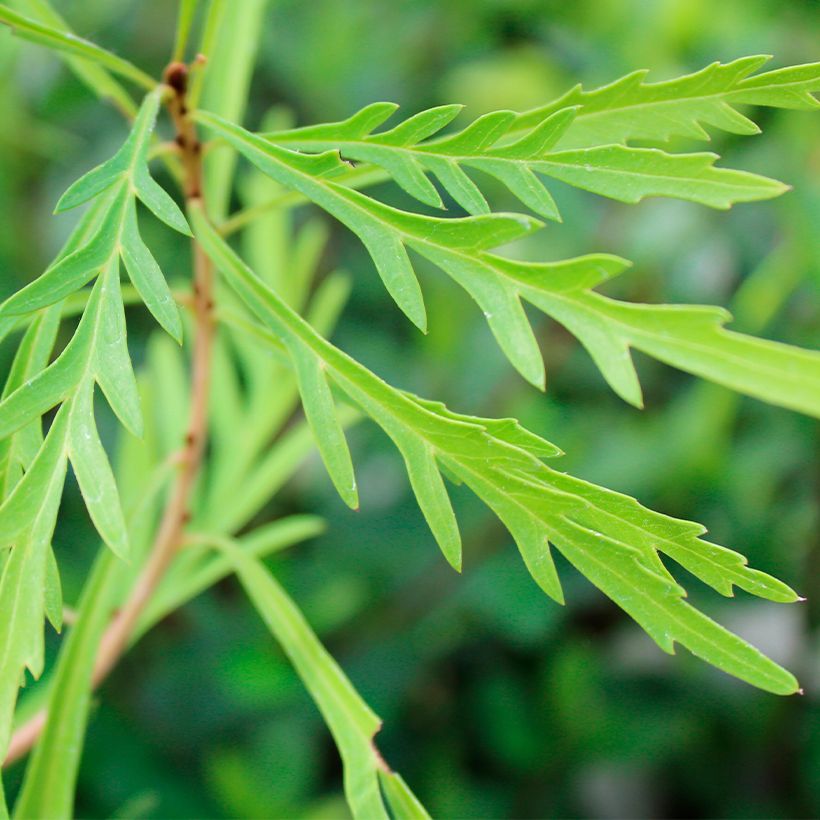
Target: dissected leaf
{"type": "Point", "coordinates": [23, 580]}
{"type": "Point", "coordinates": [613, 540]}
{"type": "Point", "coordinates": [629, 109]}
{"type": "Point", "coordinates": [620, 172]}
{"type": "Point", "coordinates": [690, 338]}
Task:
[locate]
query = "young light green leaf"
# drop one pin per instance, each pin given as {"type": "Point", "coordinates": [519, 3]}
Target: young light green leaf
{"type": "Point", "coordinates": [185, 18]}
{"type": "Point", "coordinates": [268, 474]}
{"type": "Point", "coordinates": [231, 53]}
{"type": "Point", "coordinates": [197, 568]}
{"type": "Point", "coordinates": [94, 75]}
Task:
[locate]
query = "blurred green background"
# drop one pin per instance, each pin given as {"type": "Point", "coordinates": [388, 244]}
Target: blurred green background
{"type": "Point", "coordinates": [497, 702]}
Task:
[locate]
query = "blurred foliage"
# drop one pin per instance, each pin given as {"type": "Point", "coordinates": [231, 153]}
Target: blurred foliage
{"type": "Point", "coordinates": [496, 701]}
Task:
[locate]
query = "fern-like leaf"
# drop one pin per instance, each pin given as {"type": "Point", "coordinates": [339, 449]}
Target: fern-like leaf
{"type": "Point", "coordinates": [33, 468]}
{"type": "Point", "coordinates": [693, 339]}
{"type": "Point", "coordinates": [617, 171]}
{"type": "Point", "coordinates": [609, 537]}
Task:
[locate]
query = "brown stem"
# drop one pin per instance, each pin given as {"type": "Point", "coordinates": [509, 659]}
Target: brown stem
{"type": "Point", "coordinates": [176, 514]}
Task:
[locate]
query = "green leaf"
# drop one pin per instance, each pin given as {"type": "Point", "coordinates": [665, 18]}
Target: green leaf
{"type": "Point", "coordinates": [609, 537]}
{"type": "Point", "coordinates": [147, 277]}
{"type": "Point", "coordinates": [693, 341]}
{"type": "Point", "coordinates": [320, 411]}
{"type": "Point", "coordinates": [93, 471]}
{"type": "Point", "coordinates": [98, 351]}
{"type": "Point", "coordinates": [67, 43]}
{"type": "Point", "coordinates": [401, 152]}
{"type": "Point", "coordinates": [51, 775]}
{"type": "Point", "coordinates": [23, 504]}
{"type": "Point", "coordinates": [630, 174]}
{"type": "Point", "coordinates": [53, 593]}
{"type": "Point", "coordinates": [352, 723]}
{"type": "Point", "coordinates": [22, 584]}
{"type": "Point", "coordinates": [92, 252]}
{"type": "Point", "coordinates": [18, 450]}
{"type": "Point", "coordinates": [688, 337]}
{"type": "Point", "coordinates": [185, 17]}
{"type": "Point", "coordinates": [629, 109]}
{"type": "Point", "coordinates": [112, 362]}
{"type": "Point", "coordinates": [95, 353]}
{"type": "Point", "coordinates": [231, 53]}
{"type": "Point", "coordinates": [404, 805]}
{"type": "Point", "coordinates": [626, 174]}
{"type": "Point", "coordinates": [429, 489]}
{"type": "Point", "coordinates": [130, 165]}
{"type": "Point", "coordinates": [75, 270]}
{"type": "Point", "coordinates": [382, 229]}
{"type": "Point", "coordinates": [157, 200]}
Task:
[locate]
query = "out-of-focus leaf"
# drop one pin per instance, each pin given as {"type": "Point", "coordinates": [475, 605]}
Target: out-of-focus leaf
{"type": "Point", "coordinates": [48, 786]}
{"type": "Point", "coordinates": [629, 109]}
{"type": "Point", "coordinates": [352, 723]}
{"type": "Point", "coordinates": [66, 43]}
